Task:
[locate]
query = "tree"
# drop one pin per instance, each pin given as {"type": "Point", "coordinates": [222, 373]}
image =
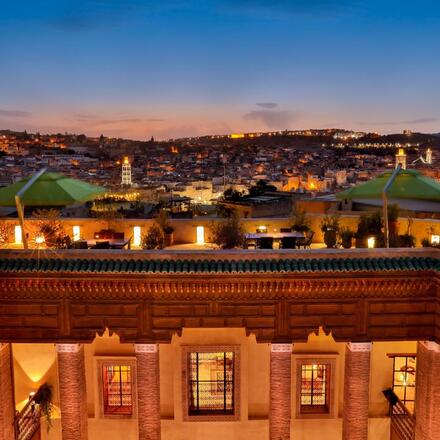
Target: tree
{"type": "Point", "coordinates": [261, 188]}
{"type": "Point", "coordinates": [50, 227]}
{"type": "Point", "coordinates": [232, 195]}
{"type": "Point", "coordinates": [154, 238]}
{"type": "Point", "coordinates": [229, 233]}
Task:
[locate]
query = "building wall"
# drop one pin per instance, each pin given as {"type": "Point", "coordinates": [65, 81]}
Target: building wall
{"type": "Point", "coordinates": [185, 229]}
{"type": "Point", "coordinates": [36, 364]}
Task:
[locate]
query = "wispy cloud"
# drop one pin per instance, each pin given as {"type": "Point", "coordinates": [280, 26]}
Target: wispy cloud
{"type": "Point", "coordinates": [15, 113]}
{"type": "Point", "coordinates": [275, 120]}
{"type": "Point", "coordinates": [268, 105]}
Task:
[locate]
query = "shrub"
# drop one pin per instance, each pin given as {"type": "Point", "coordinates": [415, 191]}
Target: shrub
{"type": "Point", "coordinates": [229, 233]}
{"type": "Point", "coordinates": [49, 225]}
{"type": "Point", "coordinates": [154, 238]}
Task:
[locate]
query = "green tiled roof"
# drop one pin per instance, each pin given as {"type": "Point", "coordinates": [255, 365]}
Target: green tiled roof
{"type": "Point", "coordinates": [78, 265]}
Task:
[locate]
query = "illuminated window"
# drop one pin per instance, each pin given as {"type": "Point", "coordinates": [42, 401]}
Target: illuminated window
{"type": "Point", "coordinates": [200, 230]}
{"type": "Point", "coordinates": [117, 387]}
{"type": "Point", "coordinates": [137, 236]}
{"type": "Point", "coordinates": [210, 382]}
{"type": "Point", "coordinates": [315, 381]}
{"type": "Point", "coordinates": [18, 235]}
{"type": "Point", "coordinates": [76, 233]}
{"type": "Point", "coordinates": [404, 378]}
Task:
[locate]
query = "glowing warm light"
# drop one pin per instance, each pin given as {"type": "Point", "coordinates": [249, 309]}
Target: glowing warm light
{"type": "Point", "coordinates": [39, 239]}
{"type": "Point", "coordinates": [18, 235]}
{"type": "Point", "coordinates": [262, 229]}
{"type": "Point", "coordinates": [237, 136]}
{"type": "Point", "coordinates": [200, 235]}
{"type": "Point", "coordinates": [401, 152]}
{"type": "Point", "coordinates": [435, 239]}
{"type": "Point", "coordinates": [312, 185]}
{"type": "Point", "coordinates": [126, 160]}
{"type": "Point", "coordinates": [137, 238]}
{"type": "Point", "coordinates": [371, 242]}
{"type": "Point", "coordinates": [76, 233]}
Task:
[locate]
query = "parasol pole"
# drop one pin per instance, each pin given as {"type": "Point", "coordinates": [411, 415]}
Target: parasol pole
{"type": "Point", "coordinates": [20, 206]}
{"type": "Point", "coordinates": [385, 203]}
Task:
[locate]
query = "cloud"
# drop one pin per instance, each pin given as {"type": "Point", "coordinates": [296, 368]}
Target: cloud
{"type": "Point", "coordinates": [267, 104]}
{"type": "Point", "coordinates": [427, 120]}
{"type": "Point", "coordinates": [276, 120]}
{"type": "Point", "coordinates": [15, 113]}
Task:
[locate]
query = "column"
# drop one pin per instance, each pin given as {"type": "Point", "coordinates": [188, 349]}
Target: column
{"type": "Point", "coordinates": [73, 396]}
{"type": "Point", "coordinates": [427, 407]}
{"type": "Point", "coordinates": [280, 391]}
{"type": "Point", "coordinates": [356, 391]}
{"type": "Point", "coordinates": [148, 391]}
{"type": "Point", "coordinates": [7, 405]}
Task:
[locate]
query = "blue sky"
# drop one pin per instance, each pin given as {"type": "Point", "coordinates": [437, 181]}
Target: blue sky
{"type": "Point", "coordinates": [138, 68]}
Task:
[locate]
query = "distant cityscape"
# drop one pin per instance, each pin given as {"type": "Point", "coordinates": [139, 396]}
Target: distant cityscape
{"type": "Point", "coordinates": [200, 169]}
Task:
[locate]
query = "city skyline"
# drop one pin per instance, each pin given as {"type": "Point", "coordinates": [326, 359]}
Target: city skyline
{"type": "Point", "coordinates": [138, 69]}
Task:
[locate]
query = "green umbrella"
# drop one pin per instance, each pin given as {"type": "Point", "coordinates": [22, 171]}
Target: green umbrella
{"type": "Point", "coordinates": [408, 184]}
{"type": "Point", "coordinates": [46, 189]}
{"type": "Point", "coordinates": [50, 189]}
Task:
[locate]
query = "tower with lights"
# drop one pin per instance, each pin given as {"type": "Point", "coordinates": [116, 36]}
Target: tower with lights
{"type": "Point", "coordinates": [428, 159]}
{"type": "Point", "coordinates": [401, 158]}
{"type": "Point", "coordinates": [126, 172]}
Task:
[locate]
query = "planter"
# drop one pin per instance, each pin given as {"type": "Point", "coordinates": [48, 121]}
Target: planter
{"type": "Point", "coordinates": [169, 239]}
{"type": "Point", "coordinates": [360, 242]}
{"type": "Point", "coordinates": [347, 243]}
{"type": "Point", "coordinates": [330, 238]}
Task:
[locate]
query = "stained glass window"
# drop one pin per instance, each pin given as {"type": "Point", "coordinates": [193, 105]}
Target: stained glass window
{"type": "Point", "coordinates": [211, 383]}
{"type": "Point", "coordinates": [117, 389]}
{"type": "Point", "coordinates": [315, 381]}
{"type": "Point", "coordinates": [404, 379]}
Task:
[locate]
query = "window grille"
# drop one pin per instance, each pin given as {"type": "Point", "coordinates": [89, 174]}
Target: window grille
{"type": "Point", "coordinates": [211, 383]}
{"type": "Point", "coordinates": [117, 389]}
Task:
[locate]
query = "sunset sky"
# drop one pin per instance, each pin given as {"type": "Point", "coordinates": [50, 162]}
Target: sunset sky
{"type": "Point", "coordinates": [138, 68]}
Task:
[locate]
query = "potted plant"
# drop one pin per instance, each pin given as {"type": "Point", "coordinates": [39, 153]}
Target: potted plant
{"type": "Point", "coordinates": [330, 228]}
{"type": "Point", "coordinates": [370, 225]}
{"type": "Point", "coordinates": [168, 231]}
{"type": "Point", "coordinates": [346, 235]}
{"type": "Point", "coordinates": [43, 398]}
{"type": "Point", "coordinates": [229, 233]}
{"type": "Point", "coordinates": [300, 220]}
{"type": "Point", "coordinates": [154, 238]}
{"type": "Point", "coordinates": [425, 242]}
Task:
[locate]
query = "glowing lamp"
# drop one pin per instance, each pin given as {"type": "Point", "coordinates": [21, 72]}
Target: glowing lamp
{"type": "Point", "coordinates": [262, 229]}
{"type": "Point", "coordinates": [18, 235]}
{"type": "Point", "coordinates": [39, 239]}
{"type": "Point", "coordinates": [76, 233]}
{"type": "Point", "coordinates": [200, 234]}
{"type": "Point", "coordinates": [371, 242]}
{"type": "Point", "coordinates": [137, 236]}
{"type": "Point", "coordinates": [435, 239]}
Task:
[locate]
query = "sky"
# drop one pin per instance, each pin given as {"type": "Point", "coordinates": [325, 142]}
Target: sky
{"type": "Point", "coordinates": [175, 68]}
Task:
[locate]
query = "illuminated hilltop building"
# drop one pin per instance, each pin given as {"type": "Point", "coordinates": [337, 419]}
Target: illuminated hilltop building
{"type": "Point", "coordinates": [126, 172]}
{"type": "Point", "coordinates": [401, 158]}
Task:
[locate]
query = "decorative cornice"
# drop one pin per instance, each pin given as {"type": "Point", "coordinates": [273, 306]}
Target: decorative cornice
{"type": "Point", "coordinates": [145, 348]}
{"type": "Point", "coordinates": [221, 288]}
{"type": "Point", "coordinates": [281, 348]}
{"type": "Point", "coordinates": [359, 346]}
{"type": "Point", "coordinates": [68, 348]}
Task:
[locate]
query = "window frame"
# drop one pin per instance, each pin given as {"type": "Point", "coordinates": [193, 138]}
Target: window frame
{"type": "Point", "coordinates": [102, 362]}
{"type": "Point", "coordinates": [331, 362]}
{"type": "Point", "coordinates": [186, 350]}
{"type": "Point", "coordinates": [393, 356]}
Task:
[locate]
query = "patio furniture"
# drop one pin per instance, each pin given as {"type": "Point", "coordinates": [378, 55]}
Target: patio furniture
{"type": "Point", "coordinates": [108, 234]}
{"type": "Point", "coordinates": [285, 229]}
{"type": "Point", "coordinates": [80, 244]}
{"type": "Point", "coordinates": [265, 243]}
{"type": "Point", "coordinates": [288, 243]}
{"type": "Point", "coordinates": [101, 244]}
{"type": "Point", "coordinates": [121, 245]}
{"type": "Point", "coordinates": [306, 242]}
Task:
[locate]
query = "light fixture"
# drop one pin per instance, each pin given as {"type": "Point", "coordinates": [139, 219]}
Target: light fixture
{"type": "Point", "coordinates": [435, 239]}
{"type": "Point", "coordinates": [39, 239]}
{"type": "Point", "coordinates": [18, 235]}
{"type": "Point", "coordinates": [262, 229]}
{"type": "Point", "coordinates": [371, 242]}
{"type": "Point", "coordinates": [200, 231]}
{"type": "Point", "coordinates": [76, 233]}
{"type": "Point", "coordinates": [137, 238]}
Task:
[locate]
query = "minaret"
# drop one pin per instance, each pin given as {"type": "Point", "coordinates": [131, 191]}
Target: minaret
{"type": "Point", "coordinates": [428, 159]}
{"type": "Point", "coordinates": [126, 172]}
{"type": "Point", "coordinates": [401, 158]}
